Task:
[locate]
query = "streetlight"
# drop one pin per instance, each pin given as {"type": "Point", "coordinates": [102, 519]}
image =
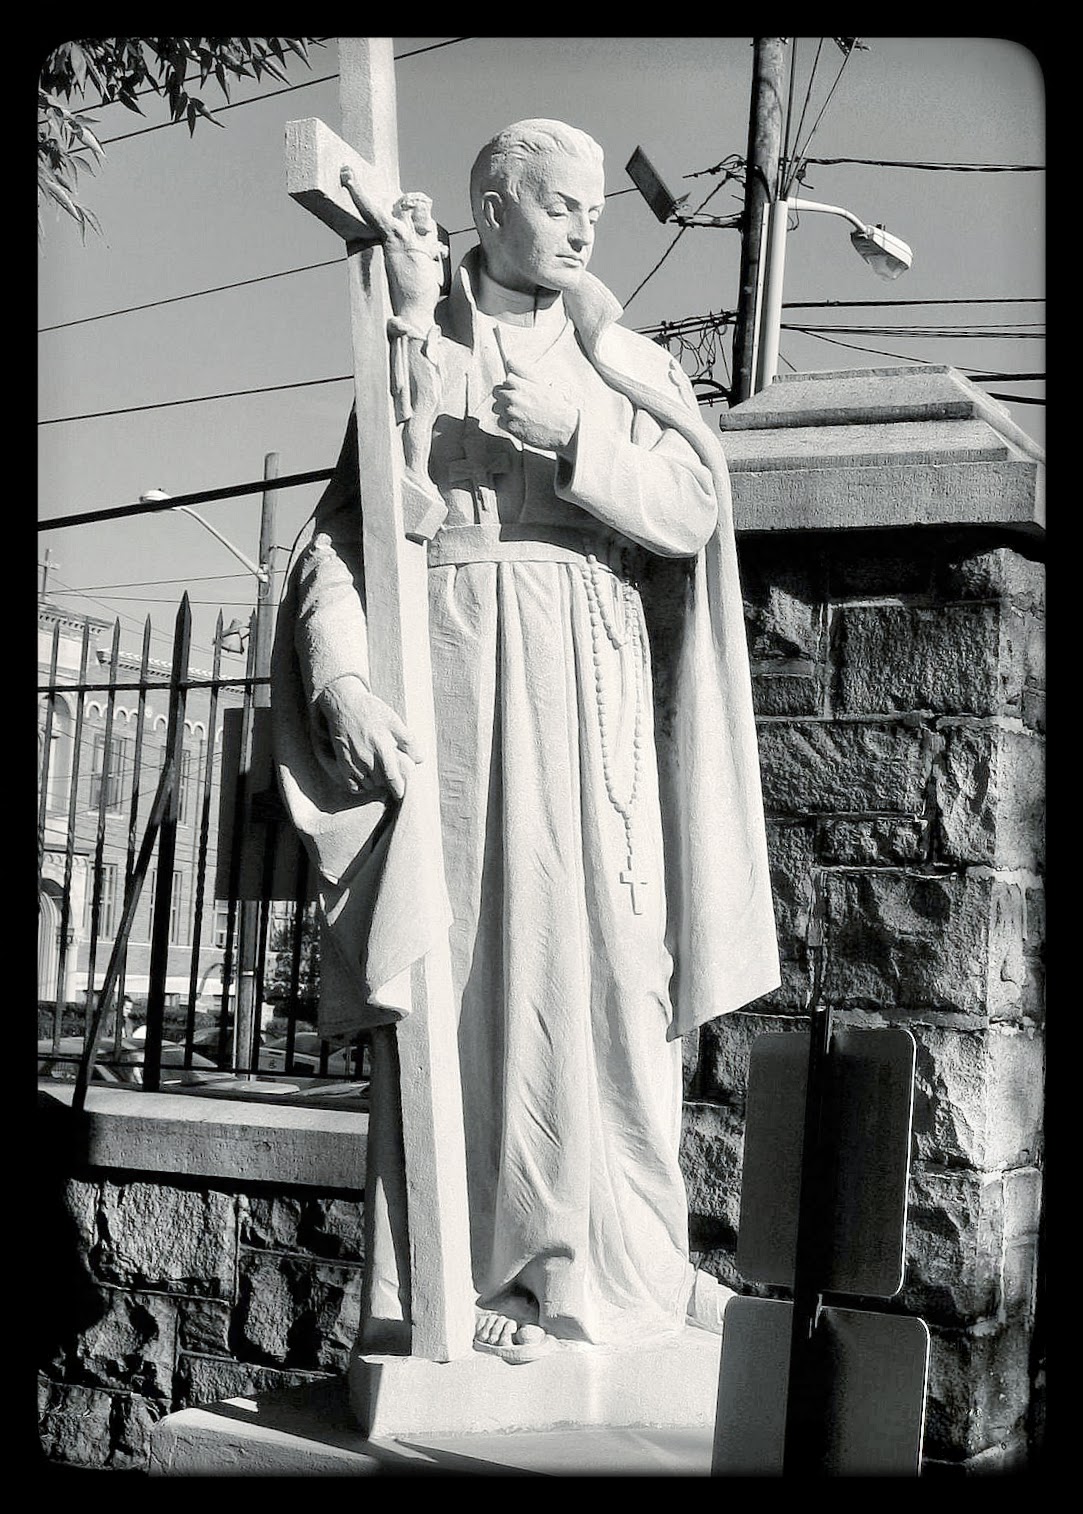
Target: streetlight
{"type": "Point", "coordinates": [259, 667]}
{"type": "Point", "coordinates": [259, 569]}
{"type": "Point", "coordinates": [887, 255]}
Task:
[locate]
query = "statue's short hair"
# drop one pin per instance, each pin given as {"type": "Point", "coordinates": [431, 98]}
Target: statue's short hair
{"type": "Point", "coordinates": [501, 163]}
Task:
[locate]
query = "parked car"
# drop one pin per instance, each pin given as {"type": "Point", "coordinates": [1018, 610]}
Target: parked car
{"type": "Point", "coordinates": [109, 1068]}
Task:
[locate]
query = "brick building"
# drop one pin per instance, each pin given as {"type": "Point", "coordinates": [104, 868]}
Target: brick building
{"type": "Point", "coordinates": [104, 793]}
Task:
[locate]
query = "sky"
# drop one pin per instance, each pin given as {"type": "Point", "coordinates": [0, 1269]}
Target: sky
{"type": "Point", "coordinates": [182, 214]}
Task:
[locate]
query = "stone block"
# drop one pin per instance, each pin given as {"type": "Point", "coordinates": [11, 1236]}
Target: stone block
{"type": "Point", "coordinates": [712, 1145]}
{"type": "Point", "coordinates": [134, 1419]}
{"type": "Point", "coordinates": [874, 840]}
{"type": "Point", "coordinates": [297, 1312]}
{"type": "Point", "coordinates": [815, 767]}
{"type": "Point", "coordinates": [786, 689]}
{"type": "Point", "coordinates": [326, 1226]}
{"type": "Point", "coordinates": [1034, 655]}
{"type": "Point", "coordinates": [1034, 709]}
{"type": "Point", "coordinates": [132, 1346]}
{"type": "Point", "coordinates": [1000, 573]}
{"type": "Point", "coordinates": [74, 1424]}
{"type": "Point", "coordinates": [790, 848]}
{"type": "Point", "coordinates": [791, 996]}
{"type": "Point", "coordinates": [989, 784]}
{"type": "Point", "coordinates": [962, 659]}
{"type": "Point", "coordinates": [203, 1325]}
{"type": "Point", "coordinates": [273, 1221]}
{"type": "Point", "coordinates": [725, 1047]}
{"type": "Point", "coordinates": [208, 1379]}
{"type": "Point", "coordinates": [971, 1245]}
{"type": "Point", "coordinates": [690, 1046]}
{"type": "Point", "coordinates": [978, 1096]}
{"type": "Point", "coordinates": [979, 1389]}
{"type": "Point", "coordinates": [81, 1207]}
{"type": "Point", "coordinates": [784, 614]}
{"type": "Point", "coordinates": [171, 1239]}
{"type": "Point", "coordinates": [909, 941]}
{"type": "Point", "coordinates": [334, 1228]}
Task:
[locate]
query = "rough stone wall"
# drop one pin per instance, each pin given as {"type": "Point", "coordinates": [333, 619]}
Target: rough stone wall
{"type": "Point", "coordinates": [170, 1294]}
{"type": "Point", "coordinates": [899, 686]}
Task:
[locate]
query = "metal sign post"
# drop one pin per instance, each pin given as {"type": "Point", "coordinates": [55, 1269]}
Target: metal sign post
{"type": "Point", "coordinates": [811, 1388]}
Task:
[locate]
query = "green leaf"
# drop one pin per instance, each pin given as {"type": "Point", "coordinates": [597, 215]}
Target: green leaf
{"type": "Point", "coordinates": [78, 63]}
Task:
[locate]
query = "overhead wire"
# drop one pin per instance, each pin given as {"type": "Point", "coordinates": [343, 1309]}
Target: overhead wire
{"type": "Point", "coordinates": [797, 167]}
{"type": "Point", "coordinates": [801, 122]}
{"type": "Point", "coordinates": [674, 242]}
{"type": "Point", "coordinates": [261, 278]}
{"type": "Point", "coordinates": [268, 94]}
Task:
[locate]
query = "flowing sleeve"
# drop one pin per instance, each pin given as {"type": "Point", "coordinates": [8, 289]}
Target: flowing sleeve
{"type": "Point", "coordinates": [648, 483]}
{"type": "Point", "coordinates": [330, 635]}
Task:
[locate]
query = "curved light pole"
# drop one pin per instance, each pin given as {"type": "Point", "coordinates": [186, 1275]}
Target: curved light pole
{"type": "Point", "coordinates": [259, 665]}
{"type": "Point", "coordinates": [886, 255]}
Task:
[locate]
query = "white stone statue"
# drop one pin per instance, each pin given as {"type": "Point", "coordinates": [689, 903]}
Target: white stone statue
{"type": "Point", "coordinates": [603, 832]}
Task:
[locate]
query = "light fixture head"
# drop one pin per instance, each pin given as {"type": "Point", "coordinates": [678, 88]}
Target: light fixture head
{"type": "Point", "coordinates": [152, 494]}
{"type": "Point", "coordinates": [233, 637]}
{"type": "Point", "coordinates": [644, 176]}
{"type": "Point", "coordinates": [886, 255]}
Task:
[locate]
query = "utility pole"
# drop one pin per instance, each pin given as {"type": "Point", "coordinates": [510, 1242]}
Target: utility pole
{"type": "Point", "coordinates": [261, 634]}
{"type": "Point", "coordinates": [761, 184]}
{"type": "Point", "coordinates": [45, 567]}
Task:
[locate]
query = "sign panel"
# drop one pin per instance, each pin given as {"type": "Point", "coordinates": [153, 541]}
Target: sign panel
{"type": "Point", "coordinates": [869, 1077]}
{"type": "Point", "coordinates": [874, 1369]}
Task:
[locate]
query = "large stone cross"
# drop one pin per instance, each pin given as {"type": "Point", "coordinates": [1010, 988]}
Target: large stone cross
{"type": "Point", "coordinates": [421, 1163]}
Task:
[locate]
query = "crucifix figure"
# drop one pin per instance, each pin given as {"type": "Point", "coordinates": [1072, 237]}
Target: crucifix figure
{"type": "Point", "coordinates": [446, 751]}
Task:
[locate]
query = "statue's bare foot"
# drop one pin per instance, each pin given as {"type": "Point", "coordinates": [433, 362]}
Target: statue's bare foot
{"type": "Point", "coordinates": [500, 1335]}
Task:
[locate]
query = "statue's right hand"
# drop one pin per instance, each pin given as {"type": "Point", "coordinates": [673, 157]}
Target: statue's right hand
{"type": "Point", "coordinates": [370, 746]}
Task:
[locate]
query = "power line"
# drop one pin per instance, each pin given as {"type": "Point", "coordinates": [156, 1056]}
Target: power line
{"type": "Point", "coordinates": [270, 93]}
{"type": "Point", "coordinates": [195, 399]}
{"type": "Point", "coordinates": [137, 583]}
{"type": "Point", "coordinates": [937, 333]}
{"type": "Point", "coordinates": [1000, 332]}
{"type": "Point", "coordinates": [934, 167]}
{"type": "Point", "coordinates": [199, 497]}
{"type": "Point", "coordinates": [174, 299]}
{"type": "Point", "coordinates": [261, 278]}
{"type": "Point", "coordinates": [674, 242]}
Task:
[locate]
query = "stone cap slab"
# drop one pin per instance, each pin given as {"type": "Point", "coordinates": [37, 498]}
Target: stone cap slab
{"type": "Point", "coordinates": [880, 447]}
{"type": "Point", "coordinates": [164, 1133]}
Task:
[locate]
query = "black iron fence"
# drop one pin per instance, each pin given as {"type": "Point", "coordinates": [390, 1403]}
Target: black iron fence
{"type": "Point", "coordinates": [178, 944]}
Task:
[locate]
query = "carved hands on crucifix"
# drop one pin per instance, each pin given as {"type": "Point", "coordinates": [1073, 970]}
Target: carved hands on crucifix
{"type": "Point", "coordinates": [414, 263]}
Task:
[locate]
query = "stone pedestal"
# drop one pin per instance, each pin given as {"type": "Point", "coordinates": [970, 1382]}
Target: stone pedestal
{"type": "Point", "coordinates": [891, 548]}
{"type": "Point", "coordinates": [673, 1383]}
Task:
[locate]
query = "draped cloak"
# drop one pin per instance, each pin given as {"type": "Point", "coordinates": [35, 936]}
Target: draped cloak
{"type": "Point", "coordinates": [381, 908]}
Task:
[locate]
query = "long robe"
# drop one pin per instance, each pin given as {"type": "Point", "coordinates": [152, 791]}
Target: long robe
{"type": "Point", "coordinates": [555, 859]}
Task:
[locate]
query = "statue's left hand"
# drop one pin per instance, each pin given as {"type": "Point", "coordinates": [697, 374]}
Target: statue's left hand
{"type": "Point", "coordinates": [534, 413]}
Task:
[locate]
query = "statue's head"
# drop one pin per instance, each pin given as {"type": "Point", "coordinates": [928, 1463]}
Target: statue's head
{"type": "Point", "coordinates": [536, 191]}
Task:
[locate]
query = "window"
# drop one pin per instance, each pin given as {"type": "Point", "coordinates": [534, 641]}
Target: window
{"type": "Point", "coordinates": [178, 921]}
{"type": "Point", "coordinates": [107, 909]}
{"type": "Point", "coordinates": [221, 924]}
{"type": "Point", "coordinates": [183, 785]}
{"type": "Point", "coordinates": [119, 769]}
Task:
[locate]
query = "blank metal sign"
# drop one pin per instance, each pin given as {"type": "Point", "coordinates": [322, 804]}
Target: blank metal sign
{"type": "Point", "coordinates": [869, 1081]}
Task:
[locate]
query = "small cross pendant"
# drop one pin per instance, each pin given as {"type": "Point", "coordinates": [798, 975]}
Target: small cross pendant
{"type": "Point", "coordinates": [634, 883]}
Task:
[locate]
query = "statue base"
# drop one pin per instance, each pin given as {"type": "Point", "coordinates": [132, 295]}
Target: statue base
{"type": "Point", "coordinates": [669, 1382]}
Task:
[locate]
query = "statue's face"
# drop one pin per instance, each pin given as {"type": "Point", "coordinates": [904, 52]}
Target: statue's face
{"type": "Point", "coordinates": [544, 239]}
